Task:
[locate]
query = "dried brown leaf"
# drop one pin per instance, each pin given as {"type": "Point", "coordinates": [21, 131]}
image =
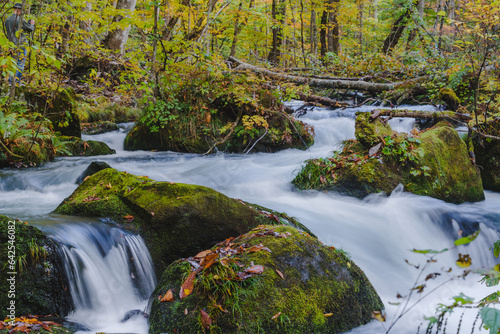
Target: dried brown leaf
{"type": "Point", "coordinates": [188, 285]}
{"type": "Point", "coordinates": [206, 320]}
{"type": "Point", "coordinates": [169, 296]}
{"type": "Point", "coordinates": [276, 316]}
{"type": "Point", "coordinates": [280, 274]}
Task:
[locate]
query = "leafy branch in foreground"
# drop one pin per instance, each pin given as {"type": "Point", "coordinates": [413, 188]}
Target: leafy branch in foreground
{"type": "Point", "coordinates": [422, 290]}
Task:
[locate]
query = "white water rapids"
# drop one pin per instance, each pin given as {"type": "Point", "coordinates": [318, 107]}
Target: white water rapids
{"type": "Point", "coordinates": [378, 232]}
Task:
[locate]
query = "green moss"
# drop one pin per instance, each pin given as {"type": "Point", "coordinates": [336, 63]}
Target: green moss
{"type": "Point", "coordinates": [40, 284]}
{"type": "Point", "coordinates": [449, 174]}
{"type": "Point", "coordinates": [487, 152]}
{"type": "Point", "coordinates": [370, 132]}
{"type": "Point", "coordinates": [317, 280]}
{"type": "Point", "coordinates": [174, 219]}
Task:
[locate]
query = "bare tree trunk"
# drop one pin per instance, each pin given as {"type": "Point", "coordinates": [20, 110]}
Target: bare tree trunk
{"type": "Point", "coordinates": [322, 35]}
{"type": "Point", "coordinates": [396, 31]}
{"type": "Point", "coordinates": [312, 33]}
{"type": "Point", "coordinates": [237, 29]}
{"type": "Point", "coordinates": [278, 9]}
{"type": "Point", "coordinates": [117, 38]}
{"type": "Point", "coordinates": [421, 8]}
{"type": "Point", "coordinates": [333, 26]}
{"type": "Point", "coordinates": [360, 20]}
{"type": "Point", "coordinates": [302, 31]}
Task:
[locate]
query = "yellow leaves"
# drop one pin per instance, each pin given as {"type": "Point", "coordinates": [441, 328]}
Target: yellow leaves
{"type": "Point", "coordinates": [255, 121]}
{"type": "Point", "coordinates": [328, 315]}
{"type": "Point", "coordinates": [378, 315]}
{"type": "Point", "coordinates": [464, 261]}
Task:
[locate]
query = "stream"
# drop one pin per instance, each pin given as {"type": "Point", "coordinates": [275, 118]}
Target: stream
{"type": "Point", "coordinates": [378, 232]}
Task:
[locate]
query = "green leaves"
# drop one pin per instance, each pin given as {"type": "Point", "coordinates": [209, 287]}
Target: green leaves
{"type": "Point", "coordinates": [467, 239]}
{"type": "Point", "coordinates": [496, 248]}
{"type": "Point", "coordinates": [428, 251]}
{"type": "Point", "coordinates": [491, 319]}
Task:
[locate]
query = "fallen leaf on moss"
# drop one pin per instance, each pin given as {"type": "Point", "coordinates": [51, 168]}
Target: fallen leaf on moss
{"type": "Point", "coordinates": [280, 274]}
{"type": "Point", "coordinates": [206, 321]}
{"type": "Point", "coordinates": [203, 254]}
{"type": "Point", "coordinates": [186, 311]}
{"type": "Point", "coordinates": [169, 296]}
{"type": "Point", "coordinates": [209, 260]}
{"type": "Point", "coordinates": [187, 286]}
{"type": "Point", "coordinates": [328, 314]}
{"type": "Point", "coordinates": [257, 269]}
{"type": "Point", "coordinates": [257, 248]}
{"type": "Point", "coordinates": [276, 316]}
{"type": "Point", "coordinates": [129, 218]}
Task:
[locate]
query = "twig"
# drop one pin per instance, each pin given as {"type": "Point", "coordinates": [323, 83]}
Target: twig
{"type": "Point", "coordinates": [265, 133]}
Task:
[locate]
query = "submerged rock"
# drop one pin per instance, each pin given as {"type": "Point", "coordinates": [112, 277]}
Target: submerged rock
{"type": "Point", "coordinates": [174, 219]}
{"type": "Point", "coordinates": [433, 163]}
{"type": "Point", "coordinates": [40, 283]}
{"type": "Point", "coordinates": [274, 279]}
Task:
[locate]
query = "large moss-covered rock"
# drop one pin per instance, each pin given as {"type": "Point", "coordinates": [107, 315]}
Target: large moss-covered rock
{"type": "Point", "coordinates": [487, 153]}
{"type": "Point", "coordinates": [222, 116]}
{"type": "Point", "coordinates": [174, 219]}
{"type": "Point", "coordinates": [433, 163]}
{"type": "Point", "coordinates": [77, 147]}
{"type": "Point", "coordinates": [40, 282]}
{"type": "Point", "coordinates": [450, 98]}
{"type": "Point", "coordinates": [302, 287]}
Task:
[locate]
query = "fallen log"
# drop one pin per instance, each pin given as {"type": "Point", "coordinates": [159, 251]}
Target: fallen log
{"type": "Point", "coordinates": [420, 114]}
{"type": "Point", "coordinates": [324, 101]}
{"type": "Point", "coordinates": [327, 83]}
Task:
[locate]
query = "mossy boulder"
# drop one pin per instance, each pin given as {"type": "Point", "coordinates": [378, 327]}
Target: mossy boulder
{"type": "Point", "coordinates": [487, 153]}
{"type": "Point", "coordinates": [218, 114]}
{"type": "Point", "coordinates": [450, 98]}
{"type": "Point", "coordinates": [78, 147]}
{"type": "Point", "coordinates": [174, 219]}
{"type": "Point", "coordinates": [274, 279]}
{"type": "Point", "coordinates": [433, 163]}
{"type": "Point", "coordinates": [41, 286]}
{"type": "Point", "coordinates": [370, 132]}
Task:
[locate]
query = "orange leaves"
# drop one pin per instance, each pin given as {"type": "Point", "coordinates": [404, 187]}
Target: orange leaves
{"type": "Point", "coordinates": [280, 274]}
{"type": "Point", "coordinates": [129, 218]}
{"type": "Point", "coordinates": [276, 316]}
{"type": "Point", "coordinates": [209, 260]}
{"type": "Point", "coordinates": [257, 248]}
{"type": "Point", "coordinates": [169, 296]}
{"type": "Point", "coordinates": [27, 325]}
{"type": "Point", "coordinates": [188, 285]}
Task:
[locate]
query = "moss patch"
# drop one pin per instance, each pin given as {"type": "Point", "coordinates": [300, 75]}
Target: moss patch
{"type": "Point", "coordinates": [321, 291]}
{"type": "Point", "coordinates": [174, 219]}
{"type": "Point", "coordinates": [487, 153]}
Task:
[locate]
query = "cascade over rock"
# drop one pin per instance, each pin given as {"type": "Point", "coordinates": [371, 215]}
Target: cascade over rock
{"type": "Point", "coordinates": [174, 219]}
{"type": "Point", "coordinates": [433, 163]}
{"type": "Point", "coordinates": [274, 279]}
{"type": "Point", "coordinates": [40, 284]}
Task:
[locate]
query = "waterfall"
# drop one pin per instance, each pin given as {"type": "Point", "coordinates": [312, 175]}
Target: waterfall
{"type": "Point", "coordinates": [109, 271]}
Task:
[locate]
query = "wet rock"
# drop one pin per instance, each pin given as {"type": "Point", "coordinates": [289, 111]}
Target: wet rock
{"type": "Point", "coordinates": [93, 168]}
{"type": "Point", "coordinates": [133, 313]}
{"type": "Point", "coordinates": [40, 283]}
{"type": "Point", "coordinates": [292, 284]}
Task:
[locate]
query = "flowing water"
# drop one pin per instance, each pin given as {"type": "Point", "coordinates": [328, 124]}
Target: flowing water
{"type": "Point", "coordinates": [378, 232]}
